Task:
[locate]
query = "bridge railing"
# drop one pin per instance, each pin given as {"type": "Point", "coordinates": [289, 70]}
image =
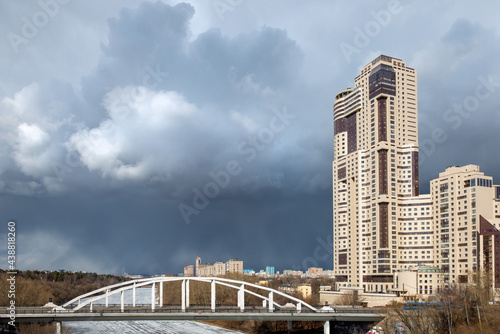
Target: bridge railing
{"type": "Point", "coordinates": [192, 310]}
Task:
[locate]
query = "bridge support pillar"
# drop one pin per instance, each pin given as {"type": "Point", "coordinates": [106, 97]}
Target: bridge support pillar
{"type": "Point", "coordinates": [264, 303]}
{"type": "Point", "coordinates": [58, 327]}
{"type": "Point", "coordinates": [161, 294]}
{"type": "Point", "coordinates": [241, 297]}
{"type": "Point", "coordinates": [271, 303]}
{"type": "Point", "coordinates": [212, 296]}
{"type": "Point", "coordinates": [133, 296]}
{"type": "Point", "coordinates": [299, 307]}
{"type": "Point", "coordinates": [289, 325]}
{"type": "Point", "coordinates": [122, 301]}
{"type": "Point", "coordinates": [107, 292]}
{"type": "Point", "coordinates": [183, 295]}
{"type": "Point", "coordinates": [326, 327]}
{"type": "Point", "coordinates": [187, 293]}
{"type": "Point", "coordinates": [153, 295]}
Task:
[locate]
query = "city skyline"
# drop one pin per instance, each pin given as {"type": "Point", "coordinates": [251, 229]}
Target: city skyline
{"type": "Point", "coordinates": [137, 136]}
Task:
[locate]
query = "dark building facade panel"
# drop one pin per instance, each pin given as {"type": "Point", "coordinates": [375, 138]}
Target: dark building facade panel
{"type": "Point", "coordinates": [382, 172]}
{"type": "Point", "coordinates": [384, 225]}
{"type": "Point", "coordinates": [382, 81]}
{"type": "Point", "coordinates": [378, 279]}
{"type": "Point", "coordinates": [341, 173]}
{"type": "Point", "coordinates": [339, 125]}
{"type": "Point", "coordinates": [382, 119]}
{"type": "Point", "coordinates": [415, 179]}
{"type": "Point", "coordinates": [352, 136]}
{"type": "Point", "coordinates": [490, 248]}
{"type": "Point", "coordinates": [342, 259]}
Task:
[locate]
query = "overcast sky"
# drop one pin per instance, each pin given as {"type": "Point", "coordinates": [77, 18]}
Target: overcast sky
{"type": "Point", "coordinates": [135, 136]}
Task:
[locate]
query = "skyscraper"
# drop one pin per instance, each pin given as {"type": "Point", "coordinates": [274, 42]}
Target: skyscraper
{"type": "Point", "coordinates": [375, 171]}
{"type": "Point", "coordinates": [381, 223]}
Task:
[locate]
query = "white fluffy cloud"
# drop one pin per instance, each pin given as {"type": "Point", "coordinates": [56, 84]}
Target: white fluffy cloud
{"type": "Point", "coordinates": [32, 153]}
{"type": "Point", "coordinates": [32, 128]}
{"type": "Point", "coordinates": [138, 140]}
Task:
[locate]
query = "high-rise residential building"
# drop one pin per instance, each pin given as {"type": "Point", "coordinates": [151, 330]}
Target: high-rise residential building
{"type": "Point", "coordinates": [466, 221]}
{"type": "Point", "coordinates": [381, 223]}
{"type": "Point", "coordinates": [375, 171]}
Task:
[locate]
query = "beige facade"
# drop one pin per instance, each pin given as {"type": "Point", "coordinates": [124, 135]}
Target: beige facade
{"type": "Point", "coordinates": [375, 171]}
{"type": "Point", "coordinates": [336, 298]}
{"type": "Point", "coordinates": [381, 223]}
{"type": "Point", "coordinates": [304, 290]}
{"type": "Point", "coordinates": [418, 283]}
{"type": "Point", "coordinates": [189, 271]}
{"type": "Point", "coordinates": [466, 222]}
{"type": "Point", "coordinates": [234, 266]}
{"type": "Point", "coordinates": [415, 232]}
{"type": "Point", "coordinates": [218, 268]}
{"type": "Point", "coordinates": [314, 272]}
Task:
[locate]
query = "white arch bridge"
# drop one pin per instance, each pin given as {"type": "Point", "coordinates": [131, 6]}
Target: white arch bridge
{"type": "Point", "coordinates": [103, 294]}
{"type": "Point", "coordinates": [95, 306]}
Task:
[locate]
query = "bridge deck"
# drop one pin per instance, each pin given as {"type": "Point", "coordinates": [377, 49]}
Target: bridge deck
{"type": "Point", "coordinates": [37, 315]}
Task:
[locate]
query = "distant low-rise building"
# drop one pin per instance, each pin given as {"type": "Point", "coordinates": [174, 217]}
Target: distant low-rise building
{"type": "Point", "coordinates": [328, 273]}
{"type": "Point", "coordinates": [189, 271]}
{"type": "Point", "coordinates": [304, 290]}
{"type": "Point", "coordinates": [234, 266]}
{"type": "Point", "coordinates": [287, 288]}
{"type": "Point", "coordinates": [314, 272]}
{"type": "Point", "coordinates": [217, 268]}
{"type": "Point", "coordinates": [288, 273]}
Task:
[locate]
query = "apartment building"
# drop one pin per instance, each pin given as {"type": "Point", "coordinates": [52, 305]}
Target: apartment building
{"type": "Point", "coordinates": [466, 223]}
{"type": "Point", "coordinates": [218, 268]}
{"type": "Point", "coordinates": [375, 170]}
{"type": "Point", "coordinates": [234, 266]}
{"type": "Point", "coordinates": [381, 222]}
{"type": "Point", "coordinates": [189, 271]}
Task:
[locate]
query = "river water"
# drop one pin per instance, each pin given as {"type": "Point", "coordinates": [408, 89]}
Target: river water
{"type": "Point", "coordinates": [143, 296]}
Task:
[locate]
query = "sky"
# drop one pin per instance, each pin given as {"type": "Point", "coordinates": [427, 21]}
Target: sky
{"type": "Point", "coordinates": [136, 136]}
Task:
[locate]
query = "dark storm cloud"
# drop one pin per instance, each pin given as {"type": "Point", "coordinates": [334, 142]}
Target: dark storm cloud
{"type": "Point", "coordinates": [459, 117]}
{"type": "Point", "coordinates": [150, 105]}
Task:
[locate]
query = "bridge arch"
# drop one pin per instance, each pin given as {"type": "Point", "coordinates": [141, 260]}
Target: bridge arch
{"type": "Point", "coordinates": [89, 299]}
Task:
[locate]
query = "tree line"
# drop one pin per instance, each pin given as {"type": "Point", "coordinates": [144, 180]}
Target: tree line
{"type": "Point", "coordinates": [462, 308]}
{"type": "Point", "coordinates": [37, 287]}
